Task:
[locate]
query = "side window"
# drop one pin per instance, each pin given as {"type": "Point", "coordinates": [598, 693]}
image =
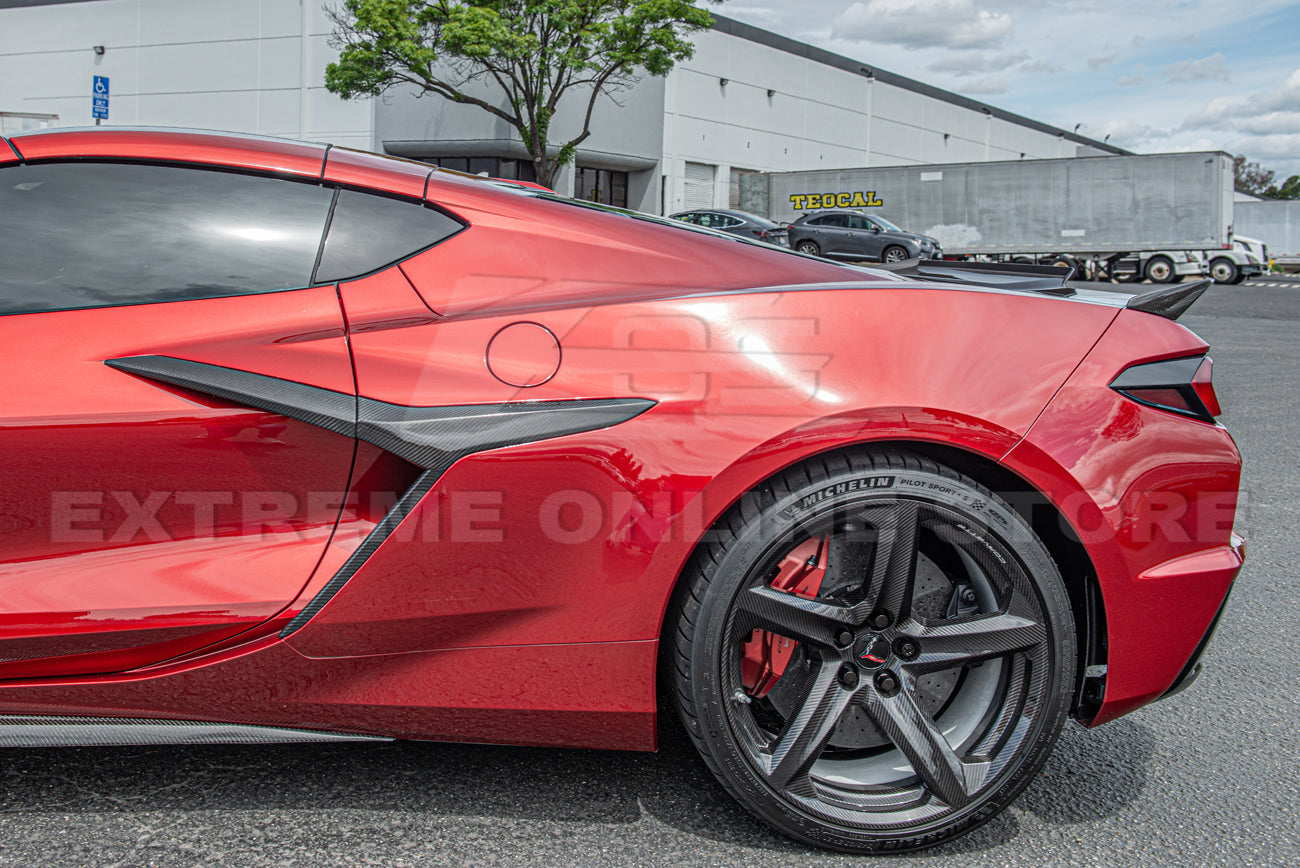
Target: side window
{"type": "Point", "coordinates": [839, 221]}
{"type": "Point", "coordinates": [369, 231]}
{"type": "Point", "coordinates": [728, 222]}
{"type": "Point", "coordinates": [83, 234]}
{"type": "Point", "coordinates": [856, 222]}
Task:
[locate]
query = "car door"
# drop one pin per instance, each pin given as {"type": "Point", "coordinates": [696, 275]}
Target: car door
{"type": "Point", "coordinates": [157, 323]}
{"type": "Point", "coordinates": [866, 237]}
{"type": "Point", "coordinates": [831, 232]}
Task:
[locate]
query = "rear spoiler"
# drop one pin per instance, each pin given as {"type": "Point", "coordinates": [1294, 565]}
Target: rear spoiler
{"type": "Point", "coordinates": [1048, 279]}
{"type": "Point", "coordinates": [1170, 302]}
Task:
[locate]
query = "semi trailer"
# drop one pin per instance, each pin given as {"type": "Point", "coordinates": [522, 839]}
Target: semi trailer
{"type": "Point", "coordinates": [1160, 217]}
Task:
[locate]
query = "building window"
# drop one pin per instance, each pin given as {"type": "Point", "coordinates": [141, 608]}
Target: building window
{"type": "Point", "coordinates": [601, 185]}
{"type": "Point", "coordinates": [518, 170]}
{"type": "Point", "coordinates": [493, 167]}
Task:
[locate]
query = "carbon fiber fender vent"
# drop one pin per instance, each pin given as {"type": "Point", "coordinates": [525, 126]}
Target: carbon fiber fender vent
{"type": "Point", "coordinates": [433, 438]}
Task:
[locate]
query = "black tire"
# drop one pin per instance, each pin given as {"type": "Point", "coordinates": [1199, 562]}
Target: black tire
{"type": "Point", "coordinates": [1080, 272]}
{"type": "Point", "coordinates": [809, 248]}
{"type": "Point", "coordinates": [1224, 270]}
{"type": "Point", "coordinates": [979, 638]}
{"type": "Point", "coordinates": [1160, 269]}
{"type": "Point", "coordinates": [894, 253]}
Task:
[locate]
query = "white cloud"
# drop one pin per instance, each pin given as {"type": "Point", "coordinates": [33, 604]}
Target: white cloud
{"type": "Point", "coordinates": [1273, 122]}
{"type": "Point", "coordinates": [1123, 132]}
{"type": "Point", "coordinates": [1226, 111]}
{"type": "Point", "coordinates": [923, 24]}
{"type": "Point", "coordinates": [1279, 146]}
{"type": "Point", "coordinates": [1104, 60]}
{"type": "Point", "coordinates": [1137, 79]}
{"type": "Point", "coordinates": [967, 63]}
{"type": "Point", "coordinates": [987, 84]}
{"type": "Point", "coordinates": [1040, 67]}
{"type": "Point", "coordinates": [1210, 68]}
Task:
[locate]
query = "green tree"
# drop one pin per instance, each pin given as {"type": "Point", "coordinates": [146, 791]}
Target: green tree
{"type": "Point", "coordinates": [1290, 189]}
{"type": "Point", "coordinates": [1250, 178]}
{"type": "Point", "coordinates": [534, 52]}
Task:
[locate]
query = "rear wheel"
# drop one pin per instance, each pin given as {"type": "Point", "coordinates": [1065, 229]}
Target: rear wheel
{"type": "Point", "coordinates": [1160, 269]}
{"type": "Point", "coordinates": [1080, 273]}
{"type": "Point", "coordinates": [874, 654]}
{"type": "Point", "coordinates": [809, 248]}
{"type": "Point", "coordinates": [1225, 271]}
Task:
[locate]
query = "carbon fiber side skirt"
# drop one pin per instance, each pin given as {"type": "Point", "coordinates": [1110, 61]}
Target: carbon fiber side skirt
{"type": "Point", "coordinates": [21, 730]}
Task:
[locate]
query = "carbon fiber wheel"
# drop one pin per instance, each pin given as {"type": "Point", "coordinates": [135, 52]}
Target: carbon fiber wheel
{"type": "Point", "coordinates": [875, 654]}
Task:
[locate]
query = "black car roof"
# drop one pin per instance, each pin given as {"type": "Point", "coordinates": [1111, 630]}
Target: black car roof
{"type": "Point", "coordinates": [730, 212]}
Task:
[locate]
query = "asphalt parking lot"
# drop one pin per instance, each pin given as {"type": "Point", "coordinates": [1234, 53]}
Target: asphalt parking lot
{"type": "Point", "coordinates": [1211, 777]}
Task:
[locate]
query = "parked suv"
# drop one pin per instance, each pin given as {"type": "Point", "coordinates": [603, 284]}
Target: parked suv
{"type": "Point", "coordinates": [851, 235]}
{"type": "Point", "coordinates": [737, 223]}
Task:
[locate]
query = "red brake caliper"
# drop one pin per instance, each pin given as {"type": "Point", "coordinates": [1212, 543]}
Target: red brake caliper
{"type": "Point", "coordinates": [765, 655]}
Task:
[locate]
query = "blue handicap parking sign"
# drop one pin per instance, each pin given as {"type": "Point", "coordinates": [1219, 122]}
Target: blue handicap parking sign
{"type": "Point", "coordinates": [99, 98]}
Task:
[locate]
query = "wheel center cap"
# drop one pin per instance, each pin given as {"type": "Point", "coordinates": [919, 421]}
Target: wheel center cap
{"type": "Point", "coordinates": [871, 651]}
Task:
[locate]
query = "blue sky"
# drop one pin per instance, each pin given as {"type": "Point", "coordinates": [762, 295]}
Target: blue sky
{"type": "Point", "coordinates": [1154, 76]}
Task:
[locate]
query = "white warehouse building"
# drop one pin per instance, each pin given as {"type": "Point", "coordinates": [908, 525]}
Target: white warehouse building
{"type": "Point", "coordinates": [748, 101]}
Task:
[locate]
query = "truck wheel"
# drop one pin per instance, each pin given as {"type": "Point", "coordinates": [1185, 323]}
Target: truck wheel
{"type": "Point", "coordinates": [894, 253]}
{"type": "Point", "coordinates": [1225, 271]}
{"type": "Point", "coordinates": [1080, 273]}
{"type": "Point", "coordinates": [1160, 269]}
{"type": "Point", "coordinates": [809, 248]}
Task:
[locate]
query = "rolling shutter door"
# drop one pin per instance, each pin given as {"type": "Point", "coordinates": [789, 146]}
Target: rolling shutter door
{"type": "Point", "coordinates": [698, 187]}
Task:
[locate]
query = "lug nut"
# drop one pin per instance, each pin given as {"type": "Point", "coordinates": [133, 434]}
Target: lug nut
{"type": "Point", "coordinates": [849, 677]}
{"type": "Point", "coordinates": [907, 649]}
{"type": "Point", "coordinates": [881, 620]}
{"type": "Point", "coordinates": [844, 638]}
{"type": "Point", "coordinates": [887, 683]}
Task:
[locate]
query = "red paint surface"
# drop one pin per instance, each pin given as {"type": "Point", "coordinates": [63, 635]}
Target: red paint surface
{"type": "Point", "coordinates": [553, 559]}
{"type": "Point", "coordinates": [360, 169]}
{"type": "Point", "coordinates": [1142, 487]}
{"type": "Point", "coordinates": [212, 149]}
{"type": "Point", "coordinates": [144, 521]}
{"type": "Point", "coordinates": [523, 354]}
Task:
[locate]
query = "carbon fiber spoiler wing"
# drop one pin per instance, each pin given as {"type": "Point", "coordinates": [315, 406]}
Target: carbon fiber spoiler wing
{"type": "Point", "coordinates": [1049, 279]}
{"type": "Point", "coordinates": [1170, 302]}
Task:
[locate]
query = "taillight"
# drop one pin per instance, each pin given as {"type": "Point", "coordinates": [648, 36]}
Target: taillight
{"type": "Point", "coordinates": [1180, 386]}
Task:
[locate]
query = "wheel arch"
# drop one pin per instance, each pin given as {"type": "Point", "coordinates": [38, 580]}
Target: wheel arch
{"type": "Point", "coordinates": [1043, 516]}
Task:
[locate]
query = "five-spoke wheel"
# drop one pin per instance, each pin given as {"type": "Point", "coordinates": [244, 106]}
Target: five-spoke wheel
{"type": "Point", "coordinates": [876, 654]}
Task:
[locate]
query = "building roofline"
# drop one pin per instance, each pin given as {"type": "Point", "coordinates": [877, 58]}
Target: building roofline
{"type": "Point", "coordinates": [750, 33]}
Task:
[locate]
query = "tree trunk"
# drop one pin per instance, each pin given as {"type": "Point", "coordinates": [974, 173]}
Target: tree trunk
{"type": "Point", "coordinates": [546, 170]}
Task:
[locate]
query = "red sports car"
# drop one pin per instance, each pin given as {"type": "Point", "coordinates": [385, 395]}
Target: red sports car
{"type": "Point", "coordinates": [304, 443]}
